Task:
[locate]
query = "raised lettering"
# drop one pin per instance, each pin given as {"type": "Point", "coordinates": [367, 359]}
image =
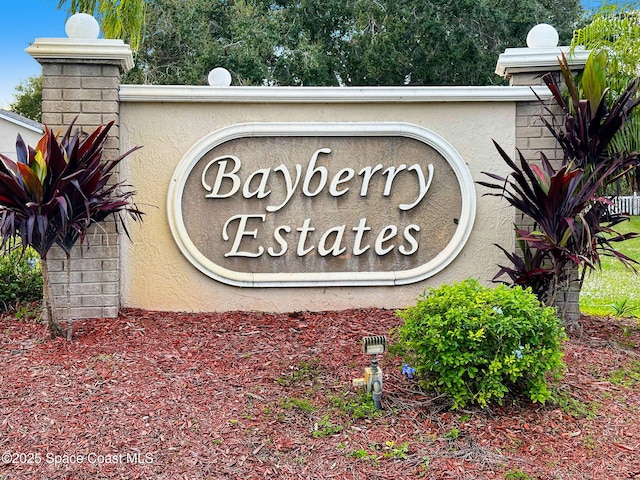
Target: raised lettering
{"type": "Point", "coordinates": [304, 231]}
{"type": "Point", "coordinates": [386, 234]}
{"type": "Point", "coordinates": [423, 185]}
{"type": "Point", "coordinates": [336, 248]}
{"type": "Point", "coordinates": [240, 233]}
{"type": "Point", "coordinates": [391, 173]}
{"type": "Point", "coordinates": [411, 239]}
{"type": "Point", "coordinates": [281, 241]}
{"type": "Point", "coordinates": [291, 186]}
{"type": "Point", "coordinates": [360, 231]}
{"type": "Point", "coordinates": [312, 170]}
{"type": "Point", "coordinates": [342, 176]}
{"type": "Point", "coordinates": [367, 173]}
{"type": "Point", "coordinates": [221, 175]}
{"type": "Point", "coordinates": [262, 191]}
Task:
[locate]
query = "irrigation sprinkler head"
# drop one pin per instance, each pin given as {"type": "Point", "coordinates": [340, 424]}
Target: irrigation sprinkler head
{"type": "Point", "coordinates": [374, 345]}
{"type": "Point", "coordinates": [372, 381]}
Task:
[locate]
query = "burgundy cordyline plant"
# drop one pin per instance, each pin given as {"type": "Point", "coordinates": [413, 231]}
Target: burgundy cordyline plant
{"type": "Point", "coordinates": [54, 192]}
{"type": "Point", "coordinates": [572, 221]}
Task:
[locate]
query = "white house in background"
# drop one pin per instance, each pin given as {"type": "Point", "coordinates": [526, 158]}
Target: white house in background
{"type": "Point", "coordinates": [12, 124]}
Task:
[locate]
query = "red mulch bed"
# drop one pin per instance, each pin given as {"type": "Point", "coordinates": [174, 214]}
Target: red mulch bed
{"type": "Point", "coordinates": [156, 395]}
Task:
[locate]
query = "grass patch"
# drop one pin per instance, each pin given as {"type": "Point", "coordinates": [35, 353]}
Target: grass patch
{"type": "Point", "coordinates": [303, 371]}
{"type": "Point", "coordinates": [302, 404]}
{"type": "Point", "coordinates": [574, 407]}
{"type": "Point", "coordinates": [356, 407]}
{"type": "Point", "coordinates": [517, 474]}
{"type": "Point", "coordinates": [612, 291]}
{"type": "Point", "coordinates": [629, 376]}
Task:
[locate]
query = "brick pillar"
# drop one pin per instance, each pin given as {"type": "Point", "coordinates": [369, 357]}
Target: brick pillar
{"type": "Point", "coordinates": [526, 66]}
{"type": "Point", "coordinates": [81, 78]}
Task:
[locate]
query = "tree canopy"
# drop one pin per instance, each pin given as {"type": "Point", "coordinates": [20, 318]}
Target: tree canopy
{"type": "Point", "coordinates": [613, 35]}
{"type": "Point", "coordinates": [28, 99]}
{"type": "Point", "coordinates": [339, 42]}
{"type": "Point", "coordinates": [616, 31]}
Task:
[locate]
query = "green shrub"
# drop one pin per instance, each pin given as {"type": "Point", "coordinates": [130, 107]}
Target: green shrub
{"type": "Point", "coordinates": [476, 343]}
{"type": "Point", "coordinates": [20, 278]}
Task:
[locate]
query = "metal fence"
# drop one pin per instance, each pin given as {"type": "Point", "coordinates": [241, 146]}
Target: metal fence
{"type": "Point", "coordinates": [626, 204]}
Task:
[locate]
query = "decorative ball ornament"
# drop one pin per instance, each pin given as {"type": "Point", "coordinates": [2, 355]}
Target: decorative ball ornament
{"type": "Point", "coordinates": [82, 25]}
{"type": "Point", "coordinates": [219, 77]}
{"type": "Point", "coordinates": [542, 35]}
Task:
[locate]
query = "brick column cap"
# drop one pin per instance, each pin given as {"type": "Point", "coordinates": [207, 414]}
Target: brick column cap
{"type": "Point", "coordinates": [66, 50]}
{"type": "Point", "coordinates": [529, 60]}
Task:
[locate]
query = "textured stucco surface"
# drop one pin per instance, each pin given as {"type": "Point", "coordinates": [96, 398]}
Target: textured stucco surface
{"type": "Point", "coordinates": [155, 275]}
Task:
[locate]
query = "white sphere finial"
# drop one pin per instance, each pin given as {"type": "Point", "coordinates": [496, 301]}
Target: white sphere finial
{"type": "Point", "coordinates": [82, 25]}
{"type": "Point", "coordinates": [219, 77]}
{"type": "Point", "coordinates": [542, 35]}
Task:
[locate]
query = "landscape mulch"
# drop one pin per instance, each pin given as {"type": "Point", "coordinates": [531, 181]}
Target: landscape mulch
{"type": "Point", "coordinates": [247, 395]}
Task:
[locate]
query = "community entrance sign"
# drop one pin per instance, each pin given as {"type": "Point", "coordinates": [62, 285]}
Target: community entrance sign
{"type": "Point", "coordinates": [321, 204]}
{"type": "Point", "coordinates": [332, 189]}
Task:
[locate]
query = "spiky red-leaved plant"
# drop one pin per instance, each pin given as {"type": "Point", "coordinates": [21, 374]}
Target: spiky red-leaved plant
{"type": "Point", "coordinates": [54, 192]}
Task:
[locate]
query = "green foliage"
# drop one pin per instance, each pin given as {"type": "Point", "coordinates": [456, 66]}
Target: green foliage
{"type": "Point", "coordinates": [517, 474]}
{"type": "Point", "coordinates": [360, 407]}
{"type": "Point", "coordinates": [325, 427]}
{"type": "Point", "coordinates": [390, 450]}
{"type": "Point", "coordinates": [614, 29]}
{"type": "Point", "coordinates": [623, 308]}
{"type": "Point", "coordinates": [614, 33]}
{"type": "Point", "coordinates": [28, 99]}
{"type": "Point", "coordinates": [476, 343]}
{"type": "Point", "coordinates": [629, 376]}
{"type": "Point", "coordinates": [362, 454]}
{"type": "Point", "coordinates": [20, 278]}
{"type": "Point", "coordinates": [25, 312]}
{"type": "Point", "coordinates": [573, 406]}
{"type": "Point", "coordinates": [393, 450]}
{"type": "Point", "coordinates": [627, 140]}
{"type": "Point", "coordinates": [302, 404]}
{"type": "Point", "coordinates": [303, 371]}
{"type": "Point", "coordinates": [333, 42]}
{"type": "Point", "coordinates": [452, 434]}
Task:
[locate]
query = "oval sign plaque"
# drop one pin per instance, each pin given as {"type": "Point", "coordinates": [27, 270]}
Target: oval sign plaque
{"type": "Point", "coordinates": [321, 204]}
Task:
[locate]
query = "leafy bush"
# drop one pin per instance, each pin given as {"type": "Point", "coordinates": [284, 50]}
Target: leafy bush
{"type": "Point", "coordinates": [20, 278]}
{"type": "Point", "coordinates": [476, 343]}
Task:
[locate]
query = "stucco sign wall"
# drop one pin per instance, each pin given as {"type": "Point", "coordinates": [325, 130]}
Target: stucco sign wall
{"type": "Point", "coordinates": [321, 204]}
